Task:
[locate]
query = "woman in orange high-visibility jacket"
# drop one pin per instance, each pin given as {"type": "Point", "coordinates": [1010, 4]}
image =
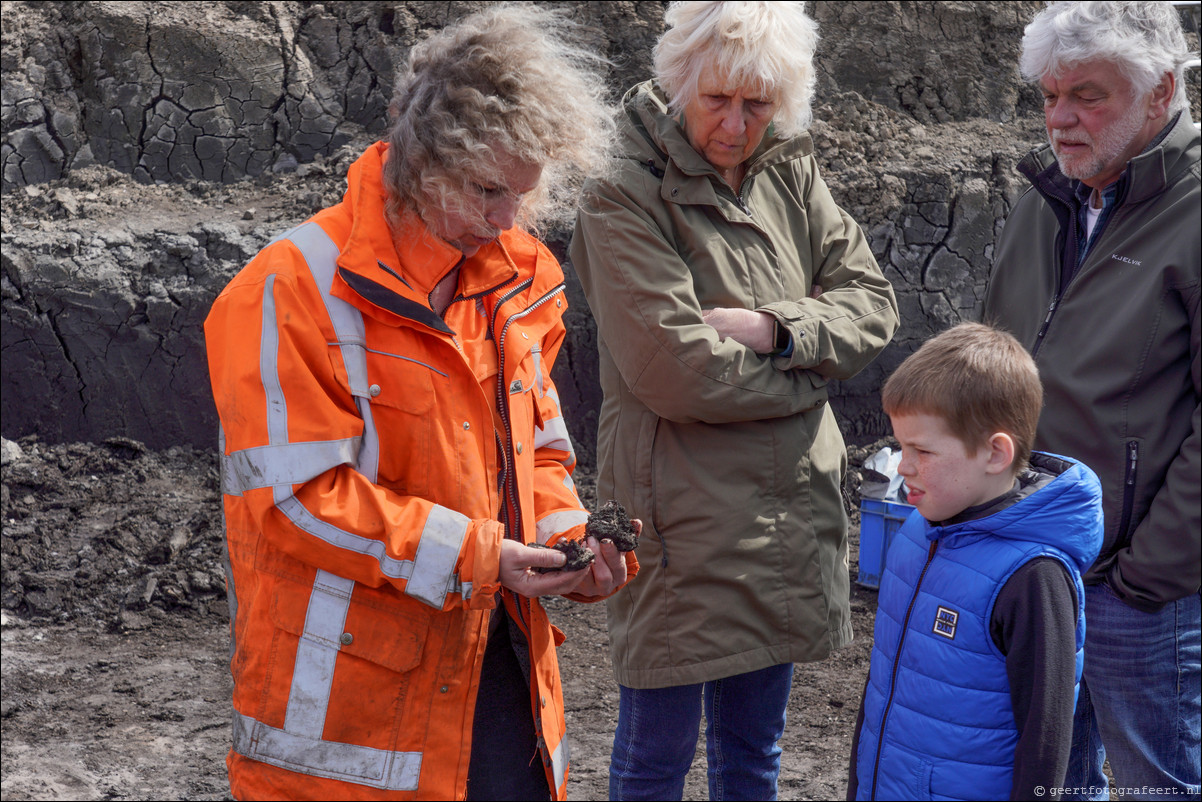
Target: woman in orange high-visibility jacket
{"type": "Point", "coordinates": [392, 442]}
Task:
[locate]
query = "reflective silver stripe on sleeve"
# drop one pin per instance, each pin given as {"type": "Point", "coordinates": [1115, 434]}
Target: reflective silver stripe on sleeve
{"type": "Point", "coordinates": [363, 765]}
{"type": "Point", "coordinates": [553, 434]}
{"type": "Point", "coordinates": [551, 525]}
{"type": "Point", "coordinates": [537, 351]}
{"type": "Point", "coordinates": [316, 653]}
{"type": "Point", "coordinates": [449, 583]}
{"type": "Point", "coordinates": [568, 483]}
{"type": "Point", "coordinates": [559, 761]}
{"type": "Point", "coordinates": [286, 464]}
{"type": "Point", "coordinates": [321, 255]}
{"type": "Point", "coordinates": [269, 350]}
{"type": "Point", "coordinates": [437, 553]}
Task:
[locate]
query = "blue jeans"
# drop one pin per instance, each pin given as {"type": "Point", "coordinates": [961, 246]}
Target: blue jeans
{"type": "Point", "coordinates": [657, 735]}
{"type": "Point", "coordinates": [1139, 700]}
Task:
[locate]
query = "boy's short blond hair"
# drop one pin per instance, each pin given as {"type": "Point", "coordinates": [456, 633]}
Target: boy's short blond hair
{"type": "Point", "coordinates": [979, 379]}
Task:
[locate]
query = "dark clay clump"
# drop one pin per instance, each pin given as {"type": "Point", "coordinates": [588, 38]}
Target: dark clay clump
{"type": "Point", "coordinates": [611, 522]}
{"type": "Point", "coordinates": [578, 556]}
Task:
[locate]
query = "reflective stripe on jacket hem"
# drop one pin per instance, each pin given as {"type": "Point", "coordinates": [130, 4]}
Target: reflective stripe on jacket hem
{"type": "Point", "coordinates": [298, 746]}
{"type": "Point", "coordinates": [390, 771]}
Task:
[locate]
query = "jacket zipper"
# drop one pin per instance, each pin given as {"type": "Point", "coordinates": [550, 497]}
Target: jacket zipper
{"type": "Point", "coordinates": [1043, 329]}
{"type": "Point", "coordinates": [1059, 295]}
{"type": "Point", "coordinates": [514, 529]}
{"type": "Point", "coordinates": [510, 505]}
{"type": "Point", "coordinates": [502, 387]}
{"type": "Point", "coordinates": [739, 197]}
{"type": "Point", "coordinates": [1128, 490]}
{"type": "Point", "coordinates": [880, 735]}
{"type": "Point", "coordinates": [1074, 224]}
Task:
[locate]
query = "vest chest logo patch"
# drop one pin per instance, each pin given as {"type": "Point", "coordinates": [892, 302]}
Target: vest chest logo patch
{"type": "Point", "coordinates": [945, 622]}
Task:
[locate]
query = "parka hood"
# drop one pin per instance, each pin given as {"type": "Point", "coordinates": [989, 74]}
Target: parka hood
{"type": "Point", "coordinates": [654, 132]}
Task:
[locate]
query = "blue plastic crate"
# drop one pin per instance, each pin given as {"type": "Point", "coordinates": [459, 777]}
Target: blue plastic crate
{"type": "Point", "coordinates": [879, 520]}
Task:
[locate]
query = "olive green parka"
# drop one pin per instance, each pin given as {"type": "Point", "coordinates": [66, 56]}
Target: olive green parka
{"type": "Point", "coordinates": [733, 460]}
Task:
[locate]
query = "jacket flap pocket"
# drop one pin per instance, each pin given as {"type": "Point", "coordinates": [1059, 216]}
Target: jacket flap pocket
{"type": "Point", "coordinates": [343, 615]}
{"type": "Point", "coordinates": [391, 379]}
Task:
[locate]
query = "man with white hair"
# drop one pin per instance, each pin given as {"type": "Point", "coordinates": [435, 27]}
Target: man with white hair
{"type": "Point", "coordinates": [1097, 272]}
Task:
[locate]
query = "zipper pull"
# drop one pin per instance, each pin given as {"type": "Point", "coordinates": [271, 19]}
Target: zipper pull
{"type": "Point", "coordinates": [1047, 319]}
{"type": "Point", "coordinates": [1132, 461]}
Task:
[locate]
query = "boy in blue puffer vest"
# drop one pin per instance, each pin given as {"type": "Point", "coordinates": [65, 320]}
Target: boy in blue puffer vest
{"type": "Point", "coordinates": [979, 626]}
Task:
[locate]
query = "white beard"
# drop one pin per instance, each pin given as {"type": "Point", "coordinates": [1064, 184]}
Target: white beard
{"type": "Point", "coordinates": [1107, 146]}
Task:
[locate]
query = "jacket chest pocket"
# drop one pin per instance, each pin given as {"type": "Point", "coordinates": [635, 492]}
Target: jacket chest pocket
{"type": "Point", "coordinates": [397, 401]}
{"type": "Point", "coordinates": [400, 382]}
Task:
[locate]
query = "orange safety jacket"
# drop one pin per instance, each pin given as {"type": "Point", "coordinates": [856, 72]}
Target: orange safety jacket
{"type": "Point", "coordinates": [368, 480]}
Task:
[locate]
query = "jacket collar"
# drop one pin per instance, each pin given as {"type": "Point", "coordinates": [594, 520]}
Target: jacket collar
{"type": "Point", "coordinates": [376, 266]}
{"type": "Point", "coordinates": [1149, 174]}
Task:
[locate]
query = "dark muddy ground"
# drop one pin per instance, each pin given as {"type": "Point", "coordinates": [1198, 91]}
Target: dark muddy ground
{"type": "Point", "coordinates": [115, 684]}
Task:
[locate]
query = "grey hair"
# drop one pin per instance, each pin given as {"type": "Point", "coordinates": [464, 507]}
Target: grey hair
{"type": "Point", "coordinates": [512, 77]}
{"type": "Point", "coordinates": [768, 45]}
{"type": "Point", "coordinates": [1145, 40]}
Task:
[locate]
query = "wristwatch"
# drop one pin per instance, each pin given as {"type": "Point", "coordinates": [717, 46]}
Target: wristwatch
{"type": "Point", "coordinates": [782, 340]}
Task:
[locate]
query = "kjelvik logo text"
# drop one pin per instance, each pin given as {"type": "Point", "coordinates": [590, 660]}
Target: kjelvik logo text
{"type": "Point", "coordinates": [1125, 259]}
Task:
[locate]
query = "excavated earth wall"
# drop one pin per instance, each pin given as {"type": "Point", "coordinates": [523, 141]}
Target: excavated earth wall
{"type": "Point", "coordinates": [149, 149]}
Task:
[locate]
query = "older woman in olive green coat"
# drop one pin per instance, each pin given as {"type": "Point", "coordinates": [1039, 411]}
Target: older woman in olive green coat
{"type": "Point", "coordinates": [728, 290]}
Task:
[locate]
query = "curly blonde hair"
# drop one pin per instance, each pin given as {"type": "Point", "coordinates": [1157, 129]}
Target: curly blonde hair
{"type": "Point", "coordinates": [514, 78]}
{"type": "Point", "coordinates": [769, 45]}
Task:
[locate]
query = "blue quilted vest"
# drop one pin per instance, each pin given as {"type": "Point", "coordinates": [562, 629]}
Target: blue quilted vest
{"type": "Point", "coordinates": [937, 717]}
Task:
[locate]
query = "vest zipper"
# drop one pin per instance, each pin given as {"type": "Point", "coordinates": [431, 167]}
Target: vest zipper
{"type": "Point", "coordinates": [880, 735]}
